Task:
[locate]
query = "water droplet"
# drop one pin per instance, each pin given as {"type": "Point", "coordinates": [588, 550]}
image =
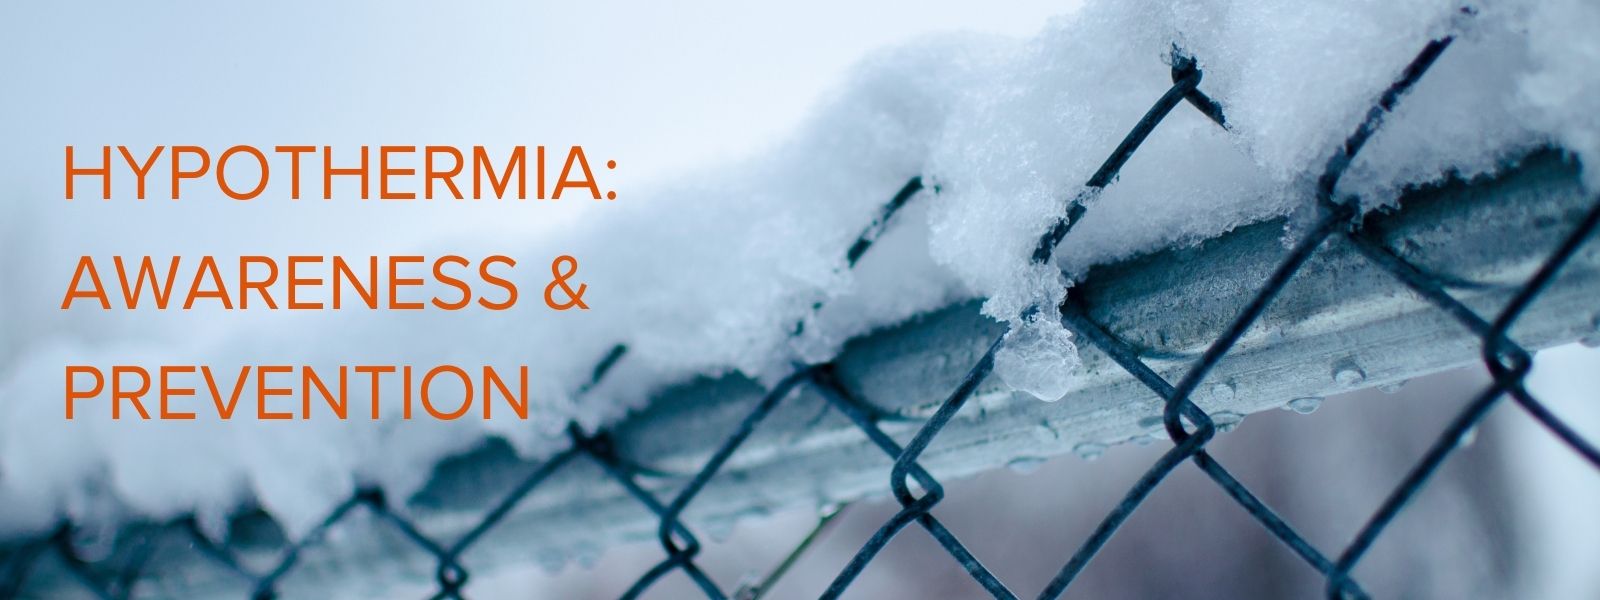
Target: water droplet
{"type": "Point", "coordinates": [828, 509]}
{"type": "Point", "coordinates": [719, 528]}
{"type": "Point", "coordinates": [1223, 392]}
{"type": "Point", "coordinates": [552, 561]}
{"type": "Point", "coordinates": [1089, 450]}
{"type": "Point", "coordinates": [587, 556]}
{"type": "Point", "coordinates": [1305, 405]}
{"type": "Point", "coordinates": [1045, 433]}
{"type": "Point", "coordinates": [749, 587]}
{"type": "Point", "coordinates": [1468, 437]}
{"type": "Point", "coordinates": [1392, 387]}
{"type": "Point", "coordinates": [1025, 464]}
{"type": "Point", "coordinates": [1348, 374]}
{"type": "Point", "coordinates": [1226, 420]}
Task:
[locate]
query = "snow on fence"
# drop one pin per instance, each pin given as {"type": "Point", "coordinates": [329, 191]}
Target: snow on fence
{"type": "Point", "coordinates": [1180, 344]}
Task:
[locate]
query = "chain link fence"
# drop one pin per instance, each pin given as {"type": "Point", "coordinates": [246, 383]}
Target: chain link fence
{"type": "Point", "coordinates": [127, 573]}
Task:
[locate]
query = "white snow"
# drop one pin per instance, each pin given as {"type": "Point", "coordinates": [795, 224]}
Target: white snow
{"type": "Point", "coordinates": [708, 272]}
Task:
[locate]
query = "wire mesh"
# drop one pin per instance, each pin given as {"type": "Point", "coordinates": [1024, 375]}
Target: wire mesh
{"type": "Point", "coordinates": [916, 490]}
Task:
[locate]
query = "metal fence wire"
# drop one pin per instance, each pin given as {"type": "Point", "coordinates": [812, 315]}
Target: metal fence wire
{"type": "Point", "coordinates": [917, 491]}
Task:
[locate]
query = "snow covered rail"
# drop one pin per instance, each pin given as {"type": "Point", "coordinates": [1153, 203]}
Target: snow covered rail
{"type": "Point", "coordinates": [1239, 323]}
